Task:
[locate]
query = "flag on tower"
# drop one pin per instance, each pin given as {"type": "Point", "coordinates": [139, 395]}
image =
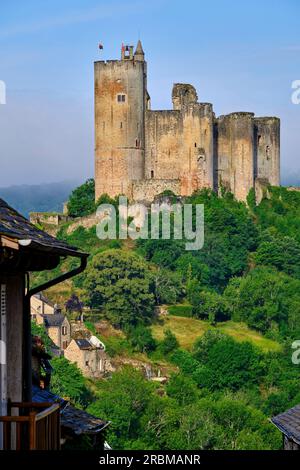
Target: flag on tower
{"type": "Point", "coordinates": [100, 46]}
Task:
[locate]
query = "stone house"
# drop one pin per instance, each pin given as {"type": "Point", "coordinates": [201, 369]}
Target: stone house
{"type": "Point", "coordinates": [89, 356]}
{"type": "Point", "coordinates": [59, 329]}
{"type": "Point", "coordinates": [39, 304]}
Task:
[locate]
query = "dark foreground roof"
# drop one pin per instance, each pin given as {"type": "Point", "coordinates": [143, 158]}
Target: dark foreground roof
{"type": "Point", "coordinates": [14, 225]}
{"type": "Point", "coordinates": [77, 421]}
{"type": "Point", "coordinates": [289, 423]}
{"type": "Point", "coordinates": [81, 422]}
{"type": "Point", "coordinates": [54, 319]}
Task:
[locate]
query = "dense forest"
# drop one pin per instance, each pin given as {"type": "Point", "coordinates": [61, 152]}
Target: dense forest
{"type": "Point", "coordinates": [223, 388]}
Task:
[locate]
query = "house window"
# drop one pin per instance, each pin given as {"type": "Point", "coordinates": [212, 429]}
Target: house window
{"type": "Point", "coordinates": [64, 330]}
{"type": "Point", "coordinates": [121, 98]}
{"type": "Point", "coordinates": [65, 344]}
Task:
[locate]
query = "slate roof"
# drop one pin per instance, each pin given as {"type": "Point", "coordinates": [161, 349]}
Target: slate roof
{"type": "Point", "coordinates": [55, 319]}
{"type": "Point", "coordinates": [289, 423]}
{"type": "Point", "coordinates": [78, 421]}
{"type": "Point", "coordinates": [83, 344]}
{"type": "Point", "coordinates": [44, 299]}
{"type": "Point", "coordinates": [14, 225]}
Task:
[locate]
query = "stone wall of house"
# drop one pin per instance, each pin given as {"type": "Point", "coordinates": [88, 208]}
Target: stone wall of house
{"type": "Point", "coordinates": [39, 306]}
{"type": "Point", "coordinates": [92, 362]}
{"type": "Point", "coordinates": [57, 336]}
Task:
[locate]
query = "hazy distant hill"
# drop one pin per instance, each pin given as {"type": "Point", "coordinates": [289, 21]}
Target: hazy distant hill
{"type": "Point", "coordinates": [290, 179]}
{"type": "Point", "coordinates": [43, 197]}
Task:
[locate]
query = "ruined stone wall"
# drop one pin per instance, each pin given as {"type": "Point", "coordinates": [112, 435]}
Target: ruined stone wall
{"type": "Point", "coordinates": [163, 144]}
{"type": "Point", "coordinates": [267, 145]}
{"type": "Point", "coordinates": [196, 162]}
{"type": "Point", "coordinates": [44, 218]}
{"type": "Point", "coordinates": [146, 190]}
{"type": "Point", "coordinates": [119, 125]}
{"type": "Point", "coordinates": [236, 153]}
{"type": "Point", "coordinates": [179, 145]}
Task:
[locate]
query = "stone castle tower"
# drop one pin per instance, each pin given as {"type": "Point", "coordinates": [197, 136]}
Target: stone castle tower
{"type": "Point", "coordinates": [141, 152]}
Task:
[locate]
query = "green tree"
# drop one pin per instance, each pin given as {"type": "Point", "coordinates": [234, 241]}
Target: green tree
{"type": "Point", "coordinates": [282, 253]}
{"type": "Point", "coordinates": [141, 338]}
{"type": "Point", "coordinates": [182, 388]}
{"type": "Point", "coordinates": [266, 297]}
{"type": "Point", "coordinates": [168, 288]}
{"type": "Point", "coordinates": [121, 284]}
{"type": "Point", "coordinates": [169, 343]}
{"type": "Point", "coordinates": [82, 199]}
{"type": "Point", "coordinates": [68, 382]}
{"type": "Point", "coordinates": [228, 364]}
{"type": "Point", "coordinates": [123, 400]}
{"type": "Point", "coordinates": [211, 306]}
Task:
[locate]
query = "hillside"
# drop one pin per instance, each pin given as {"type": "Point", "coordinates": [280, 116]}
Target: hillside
{"type": "Point", "coordinates": [188, 330]}
{"type": "Point", "coordinates": [225, 343]}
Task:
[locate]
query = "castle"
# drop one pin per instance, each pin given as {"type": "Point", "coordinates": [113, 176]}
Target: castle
{"type": "Point", "coordinates": [141, 152]}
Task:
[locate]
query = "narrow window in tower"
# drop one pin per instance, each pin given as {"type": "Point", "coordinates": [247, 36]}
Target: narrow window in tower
{"type": "Point", "coordinates": [152, 174]}
{"type": "Point", "coordinates": [103, 126]}
{"type": "Point", "coordinates": [268, 152]}
{"type": "Point", "coordinates": [137, 143]}
{"type": "Point", "coordinates": [258, 139]}
{"type": "Point", "coordinates": [121, 98]}
{"type": "Point", "coordinates": [121, 125]}
{"type": "Point", "coordinates": [195, 144]}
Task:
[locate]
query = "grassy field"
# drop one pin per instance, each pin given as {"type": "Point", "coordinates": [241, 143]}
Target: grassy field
{"type": "Point", "coordinates": [187, 330]}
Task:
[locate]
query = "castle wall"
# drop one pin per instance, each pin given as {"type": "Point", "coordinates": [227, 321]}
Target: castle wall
{"type": "Point", "coordinates": [146, 190]}
{"type": "Point", "coordinates": [163, 144]}
{"type": "Point", "coordinates": [119, 125]}
{"type": "Point", "coordinates": [236, 153]}
{"type": "Point", "coordinates": [267, 142]}
{"type": "Point", "coordinates": [197, 148]}
{"type": "Point", "coordinates": [179, 145]}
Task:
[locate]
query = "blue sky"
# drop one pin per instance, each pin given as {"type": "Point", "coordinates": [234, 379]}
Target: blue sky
{"type": "Point", "coordinates": [241, 56]}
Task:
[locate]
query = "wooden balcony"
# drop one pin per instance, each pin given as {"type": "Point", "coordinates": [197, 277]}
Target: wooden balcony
{"type": "Point", "coordinates": [37, 427]}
